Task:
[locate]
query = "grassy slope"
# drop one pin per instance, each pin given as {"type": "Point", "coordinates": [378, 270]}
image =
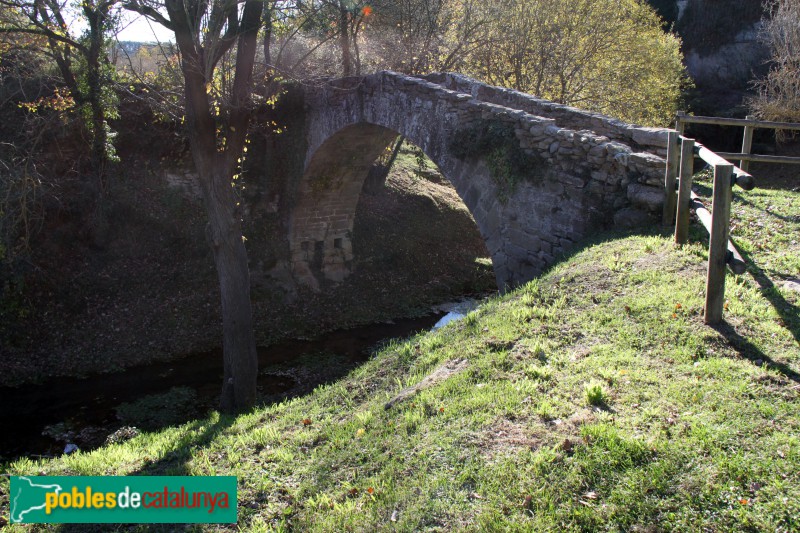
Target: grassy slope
{"type": "Point", "coordinates": [693, 427]}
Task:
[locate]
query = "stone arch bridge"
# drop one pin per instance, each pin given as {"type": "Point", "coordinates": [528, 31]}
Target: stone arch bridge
{"type": "Point", "coordinates": [536, 176]}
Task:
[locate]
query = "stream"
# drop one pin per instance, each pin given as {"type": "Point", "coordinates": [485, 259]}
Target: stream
{"type": "Point", "coordinates": [64, 414]}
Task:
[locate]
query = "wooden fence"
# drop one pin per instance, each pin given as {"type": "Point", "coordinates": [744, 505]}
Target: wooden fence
{"type": "Point", "coordinates": [680, 199]}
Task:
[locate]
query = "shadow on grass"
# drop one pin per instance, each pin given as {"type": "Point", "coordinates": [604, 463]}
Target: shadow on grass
{"type": "Point", "coordinates": [749, 351]}
{"type": "Point", "coordinates": [789, 316]}
{"type": "Point", "coordinates": [176, 456]}
{"type": "Point", "coordinates": [741, 198]}
{"type": "Point", "coordinates": [706, 191]}
{"type": "Point", "coordinates": [174, 462]}
{"type": "Point", "coordinates": [789, 313]}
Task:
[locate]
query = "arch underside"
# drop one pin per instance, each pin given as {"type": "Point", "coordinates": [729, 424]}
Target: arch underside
{"type": "Point", "coordinates": [321, 225]}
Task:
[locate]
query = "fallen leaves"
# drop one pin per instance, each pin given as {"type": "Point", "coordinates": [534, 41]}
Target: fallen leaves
{"type": "Point", "coordinates": [568, 446]}
{"type": "Point", "coordinates": [527, 503]}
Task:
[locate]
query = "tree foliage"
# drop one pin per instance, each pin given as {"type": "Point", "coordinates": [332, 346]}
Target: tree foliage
{"type": "Point", "coordinates": [779, 92]}
{"type": "Point", "coordinates": [611, 57]}
{"type": "Point", "coordinates": [82, 59]}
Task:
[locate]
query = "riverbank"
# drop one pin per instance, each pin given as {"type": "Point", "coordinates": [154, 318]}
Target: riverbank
{"type": "Point", "coordinates": [593, 398]}
{"type": "Point", "coordinates": [150, 293]}
{"type": "Point", "coordinates": [86, 413]}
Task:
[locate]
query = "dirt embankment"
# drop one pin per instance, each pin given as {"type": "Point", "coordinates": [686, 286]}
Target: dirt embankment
{"type": "Point", "coordinates": [148, 290]}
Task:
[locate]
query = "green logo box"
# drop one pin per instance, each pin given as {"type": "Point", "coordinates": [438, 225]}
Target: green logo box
{"type": "Point", "coordinates": [122, 499]}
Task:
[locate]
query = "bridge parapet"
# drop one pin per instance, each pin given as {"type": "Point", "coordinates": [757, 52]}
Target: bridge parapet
{"type": "Point", "coordinates": [640, 137]}
{"type": "Point", "coordinates": [646, 147]}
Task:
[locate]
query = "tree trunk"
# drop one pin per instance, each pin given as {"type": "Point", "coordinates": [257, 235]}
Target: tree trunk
{"type": "Point", "coordinates": [215, 169]}
{"type": "Point", "coordinates": [268, 35]}
{"type": "Point", "coordinates": [344, 40]}
{"type": "Point", "coordinates": [95, 99]}
{"type": "Point", "coordinates": [224, 232]}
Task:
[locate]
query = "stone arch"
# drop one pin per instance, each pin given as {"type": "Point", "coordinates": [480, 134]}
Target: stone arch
{"type": "Point", "coordinates": [321, 223]}
{"type": "Point", "coordinates": [578, 169]}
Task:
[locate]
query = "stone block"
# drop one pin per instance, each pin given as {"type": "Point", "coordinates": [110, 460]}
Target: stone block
{"type": "Point", "coordinates": [650, 136]}
{"type": "Point", "coordinates": [553, 187]}
{"type": "Point", "coordinates": [651, 198]}
{"type": "Point", "coordinates": [597, 151]}
{"type": "Point", "coordinates": [613, 148]}
{"type": "Point", "coordinates": [632, 218]}
{"type": "Point", "coordinates": [572, 181]}
{"type": "Point", "coordinates": [526, 241]}
{"type": "Point", "coordinates": [546, 258]}
{"type": "Point", "coordinates": [642, 161]}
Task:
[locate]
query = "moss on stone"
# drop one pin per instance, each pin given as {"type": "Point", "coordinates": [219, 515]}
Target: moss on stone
{"type": "Point", "coordinates": [508, 163]}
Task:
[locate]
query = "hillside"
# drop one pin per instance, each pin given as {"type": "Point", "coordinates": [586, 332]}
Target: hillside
{"type": "Point", "coordinates": [591, 399]}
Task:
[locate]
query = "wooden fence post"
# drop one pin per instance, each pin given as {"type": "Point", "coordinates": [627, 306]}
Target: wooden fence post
{"type": "Point", "coordinates": [747, 144]}
{"type": "Point", "coordinates": [680, 125]}
{"type": "Point", "coordinates": [718, 243]}
{"type": "Point", "coordinates": [684, 191]}
{"type": "Point", "coordinates": [670, 195]}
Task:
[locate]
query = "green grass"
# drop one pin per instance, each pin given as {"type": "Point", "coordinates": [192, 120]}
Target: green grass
{"type": "Point", "coordinates": [593, 399]}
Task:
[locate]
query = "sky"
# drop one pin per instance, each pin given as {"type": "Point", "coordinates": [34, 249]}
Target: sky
{"type": "Point", "coordinates": [138, 28]}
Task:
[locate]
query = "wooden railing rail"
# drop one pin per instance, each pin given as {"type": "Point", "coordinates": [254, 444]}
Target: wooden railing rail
{"type": "Point", "coordinates": [681, 153]}
{"type": "Point", "coordinates": [679, 198]}
{"type": "Point", "coordinates": [734, 259]}
{"type": "Point", "coordinates": [749, 124]}
{"type": "Point", "coordinates": [749, 121]}
{"type": "Point", "coordinates": [781, 160]}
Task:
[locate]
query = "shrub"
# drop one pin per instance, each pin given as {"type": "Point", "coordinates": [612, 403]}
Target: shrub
{"type": "Point", "coordinates": [779, 92]}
